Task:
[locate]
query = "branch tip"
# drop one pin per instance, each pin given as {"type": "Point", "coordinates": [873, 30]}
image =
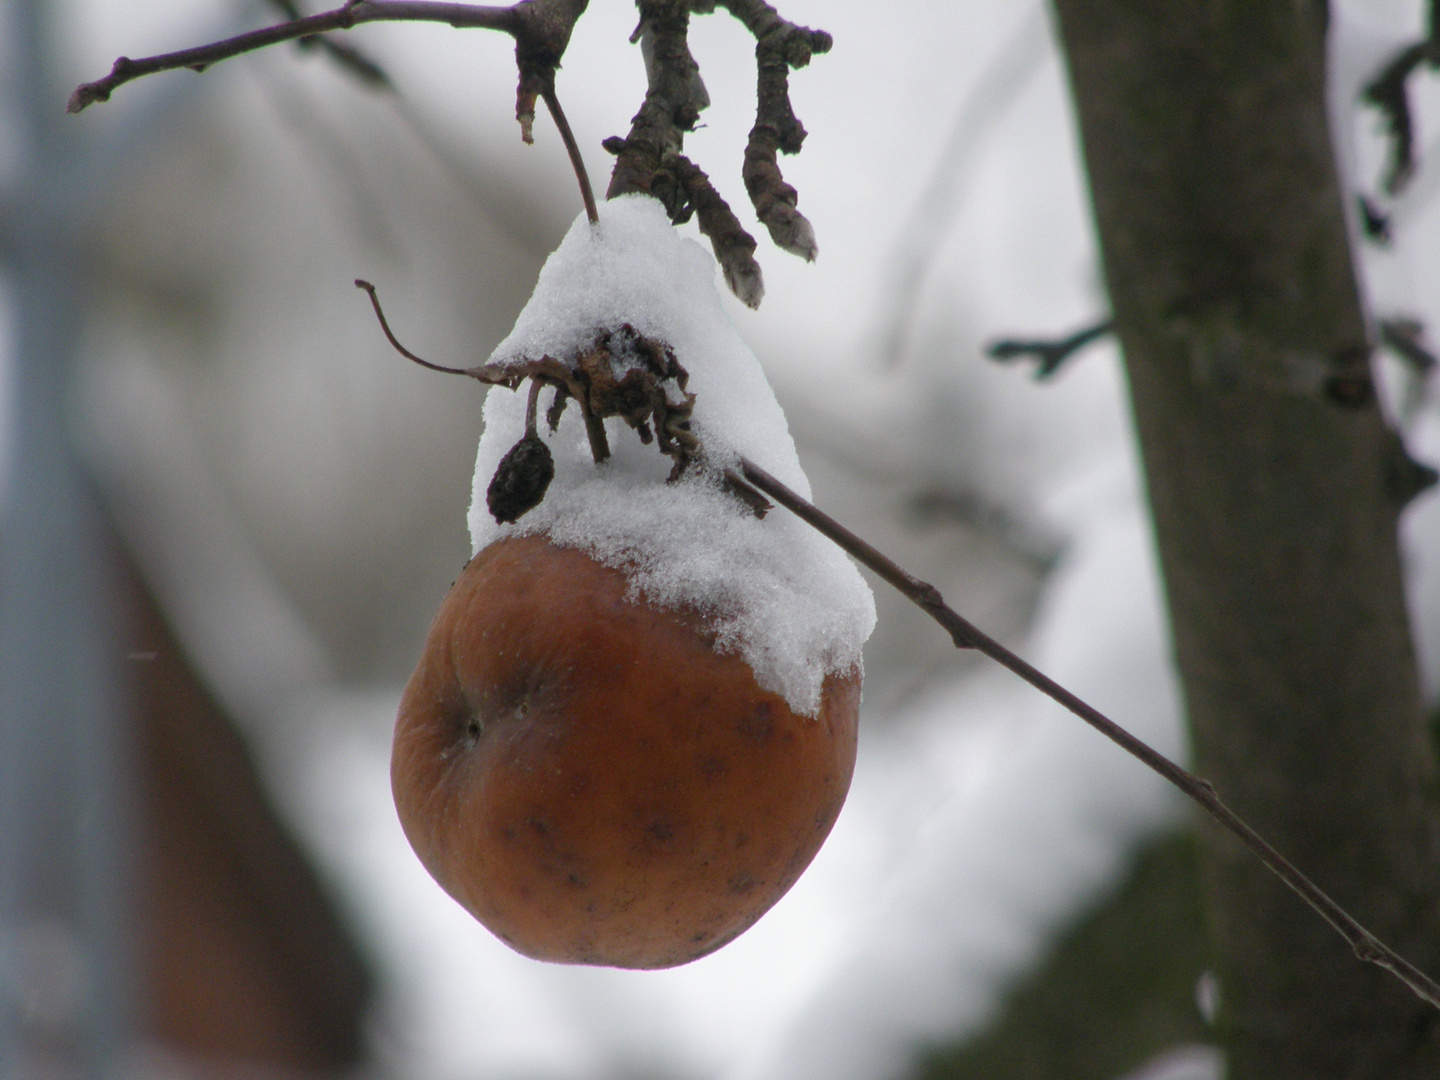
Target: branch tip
{"type": "Point", "coordinates": [361, 283]}
{"type": "Point", "coordinates": [537, 30]}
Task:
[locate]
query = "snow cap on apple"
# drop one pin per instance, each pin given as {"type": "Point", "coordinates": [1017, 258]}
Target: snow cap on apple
{"type": "Point", "coordinates": [775, 592]}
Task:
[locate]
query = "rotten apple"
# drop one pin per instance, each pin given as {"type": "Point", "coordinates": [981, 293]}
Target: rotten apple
{"type": "Point", "coordinates": [592, 779]}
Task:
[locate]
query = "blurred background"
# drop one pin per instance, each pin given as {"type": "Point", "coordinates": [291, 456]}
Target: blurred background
{"type": "Point", "coordinates": [229, 511]}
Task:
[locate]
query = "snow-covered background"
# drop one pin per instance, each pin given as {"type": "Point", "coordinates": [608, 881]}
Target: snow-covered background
{"type": "Point", "coordinates": [297, 494]}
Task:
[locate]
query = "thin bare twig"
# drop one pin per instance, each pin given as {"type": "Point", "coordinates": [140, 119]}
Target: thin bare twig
{"type": "Point", "coordinates": [966, 636]}
{"type": "Point", "coordinates": [351, 14]}
{"type": "Point", "coordinates": [1405, 337]}
{"type": "Point", "coordinates": [1388, 93]}
{"type": "Point", "coordinates": [347, 56]}
{"type": "Point", "coordinates": [541, 29]}
{"type": "Point", "coordinates": [361, 283]}
{"type": "Point", "coordinates": [928, 222]}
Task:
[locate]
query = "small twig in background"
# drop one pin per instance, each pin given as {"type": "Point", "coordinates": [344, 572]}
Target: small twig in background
{"type": "Point", "coordinates": [1388, 93]}
{"type": "Point", "coordinates": [1050, 355]}
{"type": "Point", "coordinates": [1374, 222]}
{"type": "Point", "coordinates": [1404, 337]}
{"type": "Point", "coordinates": [366, 70]}
{"type": "Point", "coordinates": [514, 215]}
{"type": "Point", "coordinates": [967, 636]}
{"type": "Point", "coordinates": [928, 222]}
{"type": "Point", "coordinates": [333, 150]}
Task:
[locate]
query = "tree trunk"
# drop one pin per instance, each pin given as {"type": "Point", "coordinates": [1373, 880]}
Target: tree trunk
{"type": "Point", "coordinates": [1272, 478]}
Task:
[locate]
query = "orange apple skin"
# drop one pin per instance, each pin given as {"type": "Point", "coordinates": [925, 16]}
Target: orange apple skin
{"type": "Point", "coordinates": [592, 780]}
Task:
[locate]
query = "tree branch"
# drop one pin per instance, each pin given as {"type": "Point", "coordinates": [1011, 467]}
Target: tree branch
{"type": "Point", "coordinates": [541, 29]}
{"type": "Point", "coordinates": [967, 636]}
{"type": "Point", "coordinates": [1388, 93]}
{"type": "Point", "coordinates": [1049, 355]}
{"type": "Point", "coordinates": [734, 247]}
{"type": "Point", "coordinates": [779, 46]}
{"type": "Point", "coordinates": [1405, 337]}
{"type": "Point", "coordinates": [649, 159]}
{"type": "Point", "coordinates": [669, 110]}
{"type": "Point", "coordinates": [351, 14]}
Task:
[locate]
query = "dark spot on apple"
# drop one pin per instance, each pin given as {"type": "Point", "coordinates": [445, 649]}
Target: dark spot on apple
{"type": "Point", "coordinates": [758, 724]}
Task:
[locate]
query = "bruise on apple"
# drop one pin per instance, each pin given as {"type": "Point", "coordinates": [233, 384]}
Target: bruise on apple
{"type": "Point", "coordinates": [592, 780]}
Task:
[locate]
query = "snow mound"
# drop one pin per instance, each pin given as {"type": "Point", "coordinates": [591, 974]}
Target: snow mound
{"type": "Point", "coordinates": [776, 592]}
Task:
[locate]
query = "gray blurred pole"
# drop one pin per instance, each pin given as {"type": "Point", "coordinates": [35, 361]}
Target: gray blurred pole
{"type": "Point", "coordinates": [68, 984]}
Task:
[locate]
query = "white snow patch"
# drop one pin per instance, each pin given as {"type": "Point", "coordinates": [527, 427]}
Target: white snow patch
{"type": "Point", "coordinates": [777, 593]}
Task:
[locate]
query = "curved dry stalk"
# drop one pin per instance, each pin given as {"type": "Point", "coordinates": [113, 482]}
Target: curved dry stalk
{"type": "Point", "coordinates": [587, 194]}
{"type": "Point", "coordinates": [966, 635]}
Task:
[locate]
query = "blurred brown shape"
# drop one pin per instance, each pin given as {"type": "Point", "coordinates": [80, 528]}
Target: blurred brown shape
{"type": "Point", "coordinates": [245, 959]}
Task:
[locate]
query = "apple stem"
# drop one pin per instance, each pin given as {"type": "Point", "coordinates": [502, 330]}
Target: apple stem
{"type": "Point", "coordinates": [587, 194]}
{"type": "Point", "coordinates": [967, 636]}
{"type": "Point", "coordinates": [531, 407]}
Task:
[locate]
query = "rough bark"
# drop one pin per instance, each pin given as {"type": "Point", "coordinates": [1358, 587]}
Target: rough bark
{"type": "Point", "coordinates": [1271, 476]}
